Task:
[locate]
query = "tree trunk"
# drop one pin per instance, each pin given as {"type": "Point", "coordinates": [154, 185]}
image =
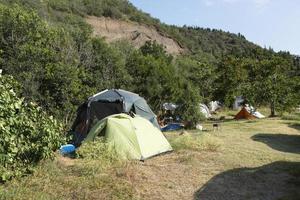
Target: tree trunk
{"type": "Point", "coordinates": [272, 106]}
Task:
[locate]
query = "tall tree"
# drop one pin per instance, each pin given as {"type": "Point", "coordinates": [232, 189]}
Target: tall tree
{"type": "Point", "coordinates": [201, 74]}
{"type": "Point", "coordinates": [271, 83]}
{"type": "Point", "coordinates": [232, 74]}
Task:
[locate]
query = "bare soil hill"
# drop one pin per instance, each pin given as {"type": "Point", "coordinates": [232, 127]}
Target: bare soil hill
{"type": "Point", "coordinates": [113, 30]}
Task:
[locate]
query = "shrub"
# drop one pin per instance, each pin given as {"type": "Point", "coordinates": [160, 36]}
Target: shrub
{"type": "Point", "coordinates": [189, 99]}
{"type": "Point", "coordinates": [99, 150]}
{"type": "Point", "coordinates": [27, 134]}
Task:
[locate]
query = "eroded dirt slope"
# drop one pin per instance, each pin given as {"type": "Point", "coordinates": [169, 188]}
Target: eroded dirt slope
{"type": "Point", "coordinates": [114, 30]}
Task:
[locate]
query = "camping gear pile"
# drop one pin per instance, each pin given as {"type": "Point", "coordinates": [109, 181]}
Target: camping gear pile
{"type": "Point", "coordinates": [124, 119]}
{"type": "Point", "coordinates": [168, 120]}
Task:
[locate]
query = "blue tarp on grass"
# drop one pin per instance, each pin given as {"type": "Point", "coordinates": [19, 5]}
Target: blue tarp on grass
{"type": "Point", "coordinates": [172, 127]}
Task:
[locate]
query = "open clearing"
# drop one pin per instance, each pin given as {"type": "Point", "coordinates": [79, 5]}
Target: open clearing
{"type": "Point", "coordinates": [243, 160]}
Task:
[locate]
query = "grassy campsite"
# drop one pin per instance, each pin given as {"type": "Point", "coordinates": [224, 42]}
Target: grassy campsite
{"type": "Point", "coordinates": [100, 100]}
{"type": "Point", "coordinates": [244, 159]}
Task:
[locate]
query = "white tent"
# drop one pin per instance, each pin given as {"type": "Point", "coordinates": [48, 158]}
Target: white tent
{"type": "Point", "coordinates": [214, 105]}
{"type": "Point", "coordinates": [204, 110]}
{"type": "Point", "coordinates": [254, 112]}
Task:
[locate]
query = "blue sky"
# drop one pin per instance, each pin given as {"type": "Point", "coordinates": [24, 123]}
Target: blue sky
{"type": "Point", "coordinates": [274, 23]}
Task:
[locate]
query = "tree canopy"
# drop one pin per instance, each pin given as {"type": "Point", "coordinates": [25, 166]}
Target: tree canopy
{"type": "Point", "coordinates": [59, 63]}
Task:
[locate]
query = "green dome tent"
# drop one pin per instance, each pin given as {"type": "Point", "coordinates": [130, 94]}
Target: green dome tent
{"type": "Point", "coordinates": [132, 137]}
{"type": "Point", "coordinates": [104, 104]}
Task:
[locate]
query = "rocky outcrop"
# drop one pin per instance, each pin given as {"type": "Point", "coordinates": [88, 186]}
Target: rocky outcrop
{"type": "Point", "coordinates": [114, 30]}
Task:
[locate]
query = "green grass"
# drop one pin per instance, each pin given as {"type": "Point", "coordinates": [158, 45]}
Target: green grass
{"type": "Point", "coordinates": [195, 141]}
{"type": "Point", "coordinates": [266, 151]}
{"type": "Point", "coordinates": [291, 116]}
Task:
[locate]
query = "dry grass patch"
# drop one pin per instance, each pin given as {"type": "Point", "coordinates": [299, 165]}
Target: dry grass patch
{"type": "Point", "coordinates": [76, 179]}
{"type": "Point", "coordinates": [195, 142]}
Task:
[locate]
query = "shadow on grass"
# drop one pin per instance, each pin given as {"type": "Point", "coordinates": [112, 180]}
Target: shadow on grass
{"type": "Point", "coordinates": [295, 126]}
{"type": "Point", "coordinates": [275, 181]}
{"type": "Point", "coordinates": [280, 142]}
{"type": "Point", "coordinates": [292, 124]}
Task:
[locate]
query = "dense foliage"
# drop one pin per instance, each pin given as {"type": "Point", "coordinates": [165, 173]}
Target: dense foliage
{"type": "Point", "coordinates": [265, 81]}
{"type": "Point", "coordinates": [27, 134]}
{"type": "Point", "coordinates": [60, 67]}
{"type": "Point", "coordinates": [59, 64]}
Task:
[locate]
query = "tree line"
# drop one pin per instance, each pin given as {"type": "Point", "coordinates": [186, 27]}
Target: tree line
{"type": "Point", "coordinates": [59, 65]}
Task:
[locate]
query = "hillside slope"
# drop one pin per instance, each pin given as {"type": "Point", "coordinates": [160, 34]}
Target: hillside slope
{"type": "Point", "coordinates": [208, 42]}
{"type": "Point", "coordinates": [113, 30]}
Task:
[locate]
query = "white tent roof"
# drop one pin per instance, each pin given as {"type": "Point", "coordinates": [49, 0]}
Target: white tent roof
{"type": "Point", "coordinates": [253, 111]}
{"type": "Point", "coordinates": [204, 110]}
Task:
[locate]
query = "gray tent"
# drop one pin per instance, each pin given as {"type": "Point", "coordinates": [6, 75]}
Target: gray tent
{"type": "Point", "coordinates": [106, 103]}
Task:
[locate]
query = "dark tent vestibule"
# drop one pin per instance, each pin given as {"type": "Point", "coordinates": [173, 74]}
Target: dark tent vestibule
{"type": "Point", "coordinates": [104, 104]}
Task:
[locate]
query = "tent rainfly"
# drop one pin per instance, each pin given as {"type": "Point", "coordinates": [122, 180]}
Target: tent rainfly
{"type": "Point", "coordinates": [132, 137]}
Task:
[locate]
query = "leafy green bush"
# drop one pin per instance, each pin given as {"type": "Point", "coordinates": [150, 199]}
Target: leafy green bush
{"type": "Point", "coordinates": [27, 134]}
{"type": "Point", "coordinates": [189, 100]}
{"type": "Point", "coordinates": [46, 61]}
